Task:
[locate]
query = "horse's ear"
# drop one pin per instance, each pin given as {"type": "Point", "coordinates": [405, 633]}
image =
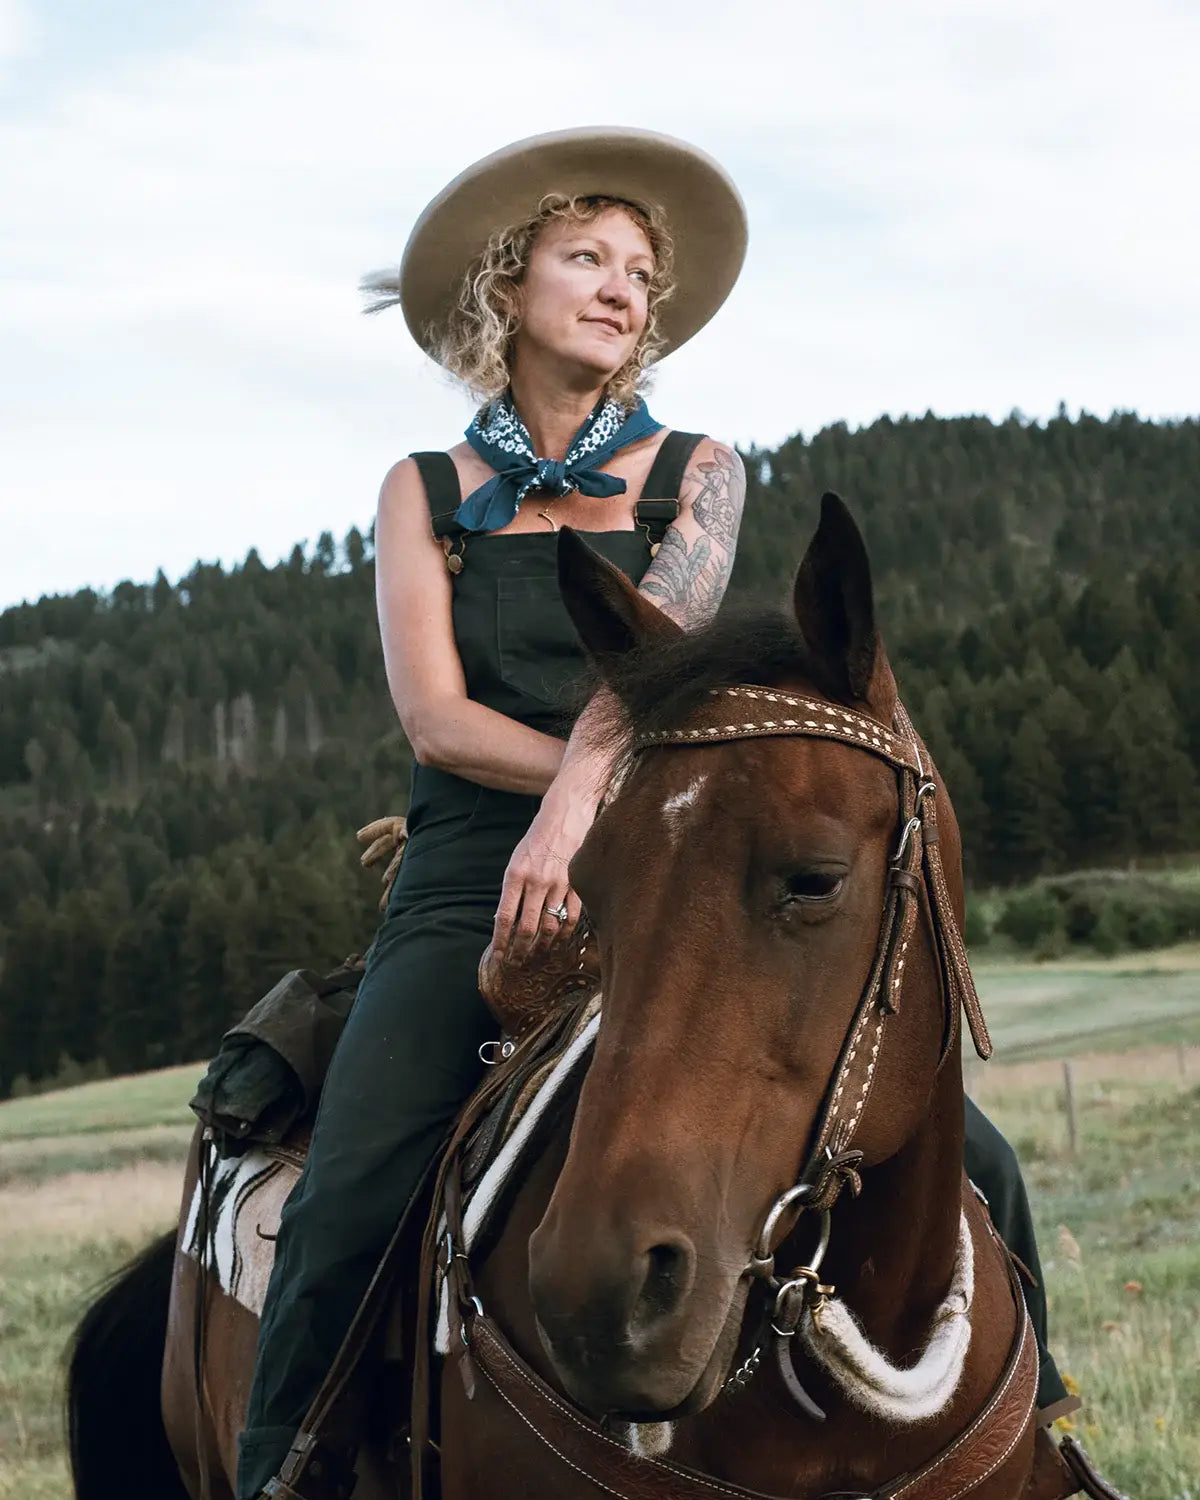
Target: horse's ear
{"type": "Point", "coordinates": [608, 612]}
{"type": "Point", "coordinates": [835, 608]}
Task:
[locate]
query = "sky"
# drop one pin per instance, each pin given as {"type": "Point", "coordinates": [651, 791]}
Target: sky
{"type": "Point", "coordinates": [976, 206]}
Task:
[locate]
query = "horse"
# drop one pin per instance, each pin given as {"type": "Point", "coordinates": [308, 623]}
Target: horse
{"type": "Point", "coordinates": [743, 1258]}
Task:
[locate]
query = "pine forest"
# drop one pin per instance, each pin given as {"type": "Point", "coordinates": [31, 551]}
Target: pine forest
{"type": "Point", "coordinates": [183, 765]}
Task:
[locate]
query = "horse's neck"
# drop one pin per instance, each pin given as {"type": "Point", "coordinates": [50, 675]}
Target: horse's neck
{"type": "Point", "coordinates": [895, 1247]}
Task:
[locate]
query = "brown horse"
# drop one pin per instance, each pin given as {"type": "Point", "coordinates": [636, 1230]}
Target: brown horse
{"type": "Point", "coordinates": [776, 888]}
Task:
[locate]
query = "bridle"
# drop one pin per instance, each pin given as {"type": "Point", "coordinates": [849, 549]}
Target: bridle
{"type": "Point", "coordinates": [916, 879]}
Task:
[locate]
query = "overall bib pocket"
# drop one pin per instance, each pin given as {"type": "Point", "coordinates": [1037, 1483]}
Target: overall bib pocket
{"type": "Point", "coordinates": [539, 654]}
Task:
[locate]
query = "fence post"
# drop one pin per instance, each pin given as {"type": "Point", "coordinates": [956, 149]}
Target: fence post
{"type": "Point", "coordinates": [1069, 1106]}
{"type": "Point", "coordinates": [1181, 1058]}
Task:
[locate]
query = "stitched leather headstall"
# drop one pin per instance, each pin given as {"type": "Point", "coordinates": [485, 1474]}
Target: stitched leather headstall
{"type": "Point", "coordinates": [916, 879]}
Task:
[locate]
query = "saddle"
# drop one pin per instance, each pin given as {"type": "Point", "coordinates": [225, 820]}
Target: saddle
{"type": "Point", "coordinates": [257, 1102]}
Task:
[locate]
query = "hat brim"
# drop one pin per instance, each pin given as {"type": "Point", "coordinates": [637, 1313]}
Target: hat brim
{"type": "Point", "coordinates": [703, 209]}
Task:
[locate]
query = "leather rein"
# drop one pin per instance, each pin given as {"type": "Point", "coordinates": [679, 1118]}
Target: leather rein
{"type": "Point", "coordinates": [916, 878]}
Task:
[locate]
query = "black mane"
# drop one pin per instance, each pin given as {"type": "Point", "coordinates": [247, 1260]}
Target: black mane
{"type": "Point", "coordinates": [658, 686]}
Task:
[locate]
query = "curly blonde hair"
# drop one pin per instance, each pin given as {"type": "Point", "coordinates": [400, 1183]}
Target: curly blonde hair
{"type": "Point", "coordinates": [475, 343]}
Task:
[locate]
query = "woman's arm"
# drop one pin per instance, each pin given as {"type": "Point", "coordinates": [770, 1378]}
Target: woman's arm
{"type": "Point", "coordinates": [688, 577]}
{"type": "Point", "coordinates": [414, 593]}
{"type": "Point", "coordinates": [686, 580]}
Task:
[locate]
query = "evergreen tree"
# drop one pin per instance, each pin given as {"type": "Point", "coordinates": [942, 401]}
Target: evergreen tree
{"type": "Point", "coordinates": [1027, 817]}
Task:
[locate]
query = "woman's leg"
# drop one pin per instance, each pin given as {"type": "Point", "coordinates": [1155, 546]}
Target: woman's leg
{"type": "Point", "coordinates": [992, 1166]}
{"type": "Point", "coordinates": [407, 1060]}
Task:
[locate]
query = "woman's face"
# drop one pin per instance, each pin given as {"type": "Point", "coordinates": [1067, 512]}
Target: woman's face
{"type": "Point", "coordinates": [584, 294]}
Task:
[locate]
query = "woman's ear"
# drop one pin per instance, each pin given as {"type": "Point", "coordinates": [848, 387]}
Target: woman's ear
{"type": "Point", "coordinates": [608, 612]}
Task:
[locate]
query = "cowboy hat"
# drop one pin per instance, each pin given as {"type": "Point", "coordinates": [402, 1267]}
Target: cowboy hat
{"type": "Point", "coordinates": [703, 209]}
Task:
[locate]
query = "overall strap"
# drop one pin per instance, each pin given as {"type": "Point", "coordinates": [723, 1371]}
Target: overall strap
{"type": "Point", "coordinates": [659, 504]}
{"type": "Point", "coordinates": [442, 491]}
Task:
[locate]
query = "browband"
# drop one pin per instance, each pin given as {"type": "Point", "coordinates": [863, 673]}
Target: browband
{"type": "Point", "coordinates": [815, 718]}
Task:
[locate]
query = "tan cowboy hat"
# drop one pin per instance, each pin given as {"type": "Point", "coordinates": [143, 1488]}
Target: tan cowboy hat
{"type": "Point", "coordinates": [704, 213]}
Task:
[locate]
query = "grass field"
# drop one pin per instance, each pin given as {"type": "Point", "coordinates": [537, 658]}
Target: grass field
{"type": "Point", "coordinates": [88, 1175]}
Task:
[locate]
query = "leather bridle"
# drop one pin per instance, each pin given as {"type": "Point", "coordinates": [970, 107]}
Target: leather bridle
{"type": "Point", "coordinates": [916, 878]}
{"type": "Point", "coordinates": [915, 873]}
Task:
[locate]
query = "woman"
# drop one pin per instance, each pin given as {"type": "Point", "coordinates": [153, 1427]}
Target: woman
{"type": "Point", "coordinates": [547, 278]}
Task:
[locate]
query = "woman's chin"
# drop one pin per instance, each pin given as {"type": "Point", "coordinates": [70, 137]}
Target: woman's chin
{"type": "Point", "coordinates": [599, 357]}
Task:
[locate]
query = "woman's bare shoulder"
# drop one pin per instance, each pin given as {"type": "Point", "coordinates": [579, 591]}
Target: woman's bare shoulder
{"type": "Point", "coordinates": [403, 485]}
{"type": "Point", "coordinates": [707, 449]}
{"type": "Point", "coordinates": [403, 479]}
{"type": "Point", "coordinates": [712, 460]}
{"type": "Point", "coordinates": [710, 447]}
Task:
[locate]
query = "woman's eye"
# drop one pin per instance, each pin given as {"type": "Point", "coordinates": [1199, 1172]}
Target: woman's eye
{"type": "Point", "coordinates": [645, 276]}
{"type": "Point", "coordinates": [591, 255]}
{"type": "Point", "coordinates": [812, 885]}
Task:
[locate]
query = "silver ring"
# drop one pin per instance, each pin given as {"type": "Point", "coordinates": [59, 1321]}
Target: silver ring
{"type": "Point", "coordinates": [560, 912]}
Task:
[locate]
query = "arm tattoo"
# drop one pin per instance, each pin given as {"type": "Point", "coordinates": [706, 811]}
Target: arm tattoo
{"type": "Point", "coordinates": [717, 506]}
{"type": "Point", "coordinates": [688, 582]}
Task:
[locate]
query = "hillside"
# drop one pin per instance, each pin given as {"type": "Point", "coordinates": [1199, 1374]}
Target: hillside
{"type": "Point", "coordinates": [182, 763]}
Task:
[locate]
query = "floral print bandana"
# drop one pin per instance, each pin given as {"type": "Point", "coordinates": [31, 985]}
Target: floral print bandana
{"type": "Point", "coordinates": [501, 439]}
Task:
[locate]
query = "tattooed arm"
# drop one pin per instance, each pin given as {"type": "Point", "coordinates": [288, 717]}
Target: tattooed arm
{"type": "Point", "coordinates": [688, 576]}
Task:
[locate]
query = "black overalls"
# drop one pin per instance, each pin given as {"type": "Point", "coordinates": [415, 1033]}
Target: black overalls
{"type": "Point", "coordinates": [409, 1055]}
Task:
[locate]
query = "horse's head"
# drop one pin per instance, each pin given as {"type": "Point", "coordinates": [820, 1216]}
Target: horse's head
{"type": "Point", "coordinates": [737, 890]}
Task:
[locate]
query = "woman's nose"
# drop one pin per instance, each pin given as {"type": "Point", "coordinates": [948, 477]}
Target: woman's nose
{"type": "Point", "coordinates": [615, 289]}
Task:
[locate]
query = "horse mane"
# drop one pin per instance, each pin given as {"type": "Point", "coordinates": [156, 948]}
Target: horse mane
{"type": "Point", "coordinates": [657, 686]}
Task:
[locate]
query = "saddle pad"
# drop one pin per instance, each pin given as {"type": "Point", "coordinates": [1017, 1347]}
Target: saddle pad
{"type": "Point", "coordinates": [247, 1194]}
{"type": "Point", "coordinates": [487, 1190]}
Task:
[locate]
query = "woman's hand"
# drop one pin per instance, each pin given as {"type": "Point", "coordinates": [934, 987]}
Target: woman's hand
{"type": "Point", "coordinates": [536, 879]}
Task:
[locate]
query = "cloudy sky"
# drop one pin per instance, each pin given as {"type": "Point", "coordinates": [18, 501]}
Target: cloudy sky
{"type": "Point", "coordinates": [967, 206]}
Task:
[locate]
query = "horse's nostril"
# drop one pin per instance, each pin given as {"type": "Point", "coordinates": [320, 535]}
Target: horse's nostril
{"type": "Point", "coordinates": [668, 1280]}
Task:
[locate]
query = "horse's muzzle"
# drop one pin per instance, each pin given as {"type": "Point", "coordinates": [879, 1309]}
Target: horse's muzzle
{"type": "Point", "coordinates": [619, 1323]}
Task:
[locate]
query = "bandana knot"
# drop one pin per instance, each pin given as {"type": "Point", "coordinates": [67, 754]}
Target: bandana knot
{"type": "Point", "coordinates": [552, 475]}
{"type": "Point", "coordinates": [502, 440]}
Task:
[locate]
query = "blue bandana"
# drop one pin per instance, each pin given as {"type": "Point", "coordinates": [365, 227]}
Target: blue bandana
{"type": "Point", "coordinates": [501, 439]}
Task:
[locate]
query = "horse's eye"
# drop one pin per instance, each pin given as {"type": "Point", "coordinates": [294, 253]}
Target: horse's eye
{"type": "Point", "coordinates": [813, 885]}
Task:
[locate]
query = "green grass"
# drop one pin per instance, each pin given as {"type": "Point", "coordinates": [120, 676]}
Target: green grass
{"type": "Point", "coordinates": [59, 1238]}
{"type": "Point", "coordinates": [1118, 1225]}
{"type": "Point", "coordinates": [137, 1102]}
{"type": "Point", "coordinates": [1060, 1009]}
{"type": "Point", "coordinates": [87, 1176]}
{"type": "Point", "coordinates": [45, 1290]}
